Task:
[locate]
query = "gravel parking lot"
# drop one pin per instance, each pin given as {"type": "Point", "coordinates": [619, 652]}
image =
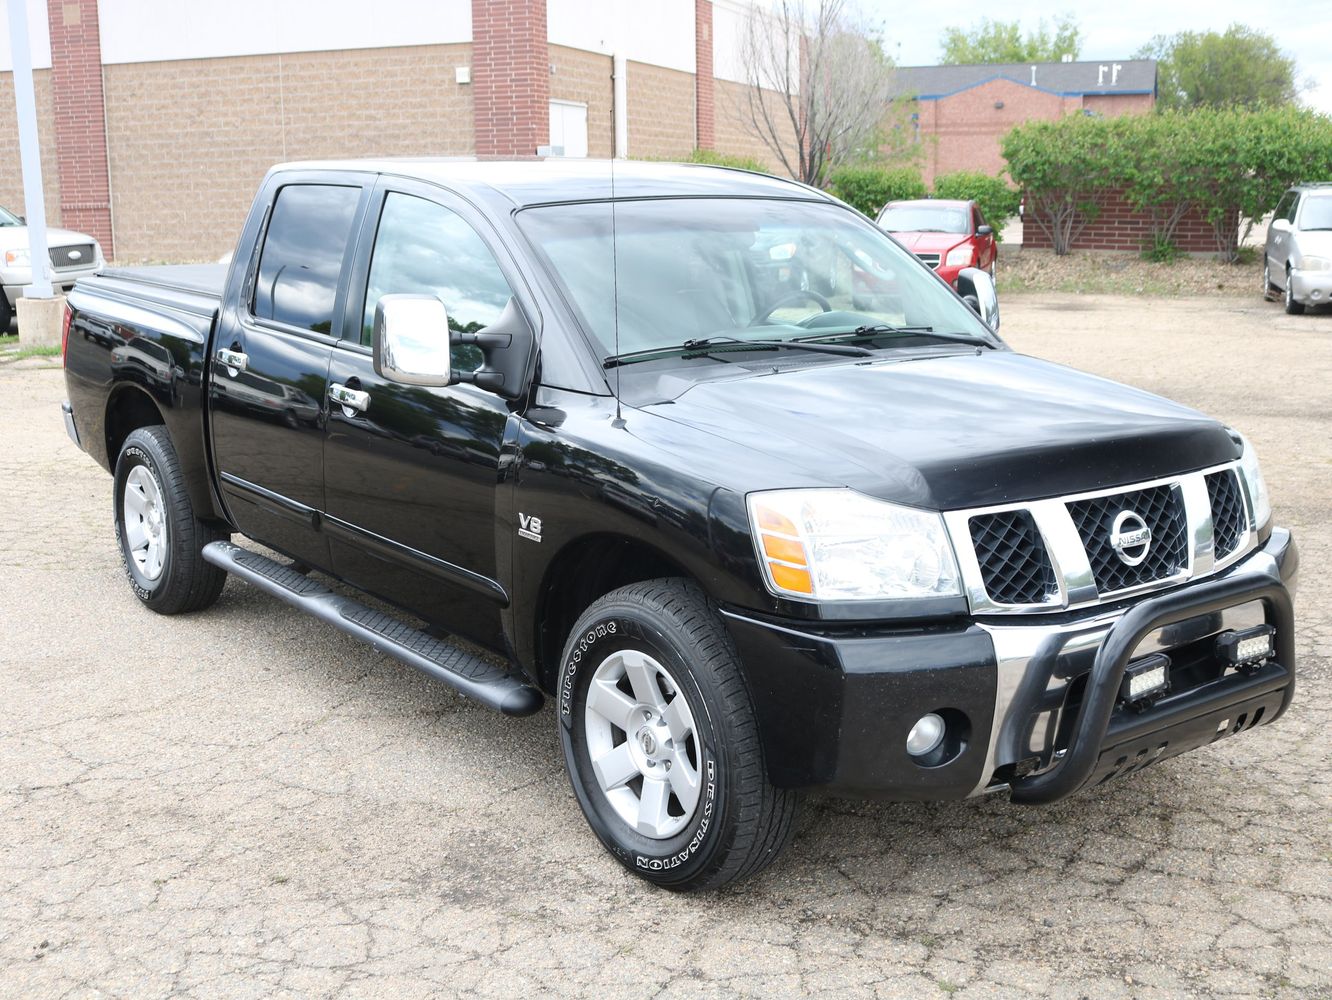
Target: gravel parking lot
{"type": "Point", "coordinates": [244, 803]}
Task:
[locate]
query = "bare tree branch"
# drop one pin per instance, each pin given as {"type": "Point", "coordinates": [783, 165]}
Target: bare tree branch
{"type": "Point", "coordinates": [828, 81]}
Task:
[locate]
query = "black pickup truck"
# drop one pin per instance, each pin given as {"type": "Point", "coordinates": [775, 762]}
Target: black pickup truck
{"type": "Point", "coordinates": [759, 501]}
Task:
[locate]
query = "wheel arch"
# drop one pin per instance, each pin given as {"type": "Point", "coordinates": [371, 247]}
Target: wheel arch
{"type": "Point", "coordinates": [128, 408]}
{"type": "Point", "coordinates": [586, 568]}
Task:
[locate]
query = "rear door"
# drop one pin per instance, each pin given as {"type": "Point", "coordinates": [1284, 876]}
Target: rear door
{"type": "Point", "coordinates": [267, 391]}
{"type": "Point", "coordinates": [412, 480]}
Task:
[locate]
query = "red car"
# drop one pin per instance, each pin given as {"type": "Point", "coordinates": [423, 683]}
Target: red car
{"type": "Point", "coordinates": [947, 235]}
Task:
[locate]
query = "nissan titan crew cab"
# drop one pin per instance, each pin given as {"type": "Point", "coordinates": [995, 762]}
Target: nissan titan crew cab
{"type": "Point", "coordinates": [758, 501]}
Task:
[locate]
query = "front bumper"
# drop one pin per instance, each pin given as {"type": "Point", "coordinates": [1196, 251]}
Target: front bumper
{"type": "Point", "coordinates": [1311, 288]}
{"type": "Point", "coordinates": [1032, 703]}
{"type": "Point", "coordinates": [15, 280]}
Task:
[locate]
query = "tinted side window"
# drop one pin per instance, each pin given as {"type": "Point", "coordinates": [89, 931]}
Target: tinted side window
{"type": "Point", "coordinates": [1283, 206]}
{"type": "Point", "coordinates": [302, 255]}
{"type": "Point", "coordinates": [1292, 208]}
{"type": "Point", "coordinates": [423, 248]}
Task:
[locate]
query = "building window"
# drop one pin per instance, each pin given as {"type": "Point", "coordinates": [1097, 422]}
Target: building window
{"type": "Point", "coordinates": [568, 128]}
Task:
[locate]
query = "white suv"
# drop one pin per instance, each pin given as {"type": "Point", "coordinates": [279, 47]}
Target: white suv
{"type": "Point", "coordinates": [1298, 258]}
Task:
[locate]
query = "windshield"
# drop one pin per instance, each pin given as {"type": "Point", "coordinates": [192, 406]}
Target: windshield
{"type": "Point", "coordinates": [1317, 213]}
{"type": "Point", "coordinates": [8, 218]}
{"type": "Point", "coordinates": [924, 219]}
{"type": "Point", "coordinates": [749, 269]}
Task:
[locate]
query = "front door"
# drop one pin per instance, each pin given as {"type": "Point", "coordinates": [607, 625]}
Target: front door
{"type": "Point", "coordinates": [270, 368]}
{"type": "Point", "coordinates": [412, 479]}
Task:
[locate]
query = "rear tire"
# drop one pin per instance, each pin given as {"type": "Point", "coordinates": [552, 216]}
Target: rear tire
{"type": "Point", "coordinates": [679, 793]}
{"type": "Point", "coordinates": [1268, 288]}
{"type": "Point", "coordinates": [160, 538]}
{"type": "Point", "coordinates": [6, 315]}
{"type": "Point", "coordinates": [1293, 308]}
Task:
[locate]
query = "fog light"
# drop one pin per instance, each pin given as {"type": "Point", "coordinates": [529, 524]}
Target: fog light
{"type": "Point", "coordinates": [925, 735]}
{"type": "Point", "coordinates": [1146, 679]}
{"type": "Point", "coordinates": [1247, 647]}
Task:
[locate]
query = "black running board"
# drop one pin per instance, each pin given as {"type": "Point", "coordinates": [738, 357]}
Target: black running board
{"type": "Point", "coordinates": [474, 677]}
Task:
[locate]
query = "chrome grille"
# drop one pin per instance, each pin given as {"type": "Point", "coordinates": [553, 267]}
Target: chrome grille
{"type": "Point", "coordinates": [932, 259]}
{"type": "Point", "coordinates": [1200, 524]}
{"type": "Point", "coordinates": [1229, 522]}
{"type": "Point", "coordinates": [1161, 509]}
{"type": "Point", "coordinates": [1013, 561]}
{"type": "Point", "coordinates": [75, 255]}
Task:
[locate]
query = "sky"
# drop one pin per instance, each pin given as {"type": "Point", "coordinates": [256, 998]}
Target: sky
{"type": "Point", "coordinates": [1303, 28]}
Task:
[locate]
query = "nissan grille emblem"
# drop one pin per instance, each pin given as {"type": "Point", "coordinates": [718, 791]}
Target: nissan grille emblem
{"type": "Point", "coordinates": [1130, 538]}
{"type": "Point", "coordinates": [75, 254]}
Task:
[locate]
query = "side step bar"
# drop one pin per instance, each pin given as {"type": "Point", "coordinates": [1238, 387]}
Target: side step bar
{"type": "Point", "coordinates": [478, 679]}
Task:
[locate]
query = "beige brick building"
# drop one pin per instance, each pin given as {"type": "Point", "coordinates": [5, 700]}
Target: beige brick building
{"type": "Point", "coordinates": [158, 118]}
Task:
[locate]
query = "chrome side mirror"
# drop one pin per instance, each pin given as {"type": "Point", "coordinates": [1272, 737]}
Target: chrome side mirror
{"type": "Point", "coordinates": [412, 342]}
{"type": "Point", "coordinates": [977, 289]}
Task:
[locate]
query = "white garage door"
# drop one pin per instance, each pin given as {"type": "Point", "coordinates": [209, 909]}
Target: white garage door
{"type": "Point", "coordinates": [568, 127]}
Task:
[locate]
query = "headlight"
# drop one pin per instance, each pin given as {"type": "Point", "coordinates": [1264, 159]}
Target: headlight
{"type": "Point", "coordinates": [1253, 479]}
{"type": "Point", "coordinates": [837, 545]}
{"type": "Point", "coordinates": [17, 258]}
{"type": "Point", "coordinates": [960, 255]}
{"type": "Point", "coordinates": [1315, 264]}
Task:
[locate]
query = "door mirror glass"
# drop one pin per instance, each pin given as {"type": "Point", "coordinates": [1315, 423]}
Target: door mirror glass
{"type": "Point", "coordinates": [411, 340]}
{"type": "Point", "coordinates": [985, 230]}
{"type": "Point", "coordinates": [977, 290]}
{"type": "Point", "coordinates": [1280, 225]}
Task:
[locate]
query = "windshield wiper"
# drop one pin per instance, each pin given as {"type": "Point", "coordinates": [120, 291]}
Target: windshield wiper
{"type": "Point", "coordinates": [865, 332]}
{"type": "Point", "coordinates": [716, 345]}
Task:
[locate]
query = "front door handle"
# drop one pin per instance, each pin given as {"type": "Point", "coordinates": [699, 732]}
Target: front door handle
{"type": "Point", "coordinates": [353, 401]}
{"type": "Point", "coordinates": [235, 361]}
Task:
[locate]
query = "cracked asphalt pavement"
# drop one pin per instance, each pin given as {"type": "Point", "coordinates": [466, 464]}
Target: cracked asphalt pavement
{"type": "Point", "coordinates": [244, 803]}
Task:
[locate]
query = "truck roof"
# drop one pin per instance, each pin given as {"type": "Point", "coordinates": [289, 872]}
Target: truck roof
{"type": "Point", "coordinates": [539, 181]}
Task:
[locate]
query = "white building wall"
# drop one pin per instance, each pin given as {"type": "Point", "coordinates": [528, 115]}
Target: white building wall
{"type": "Point", "coordinates": [39, 37]}
{"type": "Point", "coordinates": [660, 33]}
{"type": "Point", "coordinates": [160, 30]}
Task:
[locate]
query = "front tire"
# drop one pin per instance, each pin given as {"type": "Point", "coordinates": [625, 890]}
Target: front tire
{"type": "Point", "coordinates": [159, 535]}
{"type": "Point", "coordinates": [1293, 308]}
{"type": "Point", "coordinates": [661, 741]}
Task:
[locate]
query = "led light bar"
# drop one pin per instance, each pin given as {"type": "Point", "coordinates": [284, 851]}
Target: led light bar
{"type": "Point", "coordinates": [1247, 647]}
{"type": "Point", "coordinates": [1146, 680]}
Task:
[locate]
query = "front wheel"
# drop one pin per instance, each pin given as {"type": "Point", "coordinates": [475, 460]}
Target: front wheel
{"type": "Point", "coordinates": [661, 741]}
{"type": "Point", "coordinates": [1293, 307]}
{"type": "Point", "coordinates": [1267, 280]}
{"type": "Point", "coordinates": [160, 537]}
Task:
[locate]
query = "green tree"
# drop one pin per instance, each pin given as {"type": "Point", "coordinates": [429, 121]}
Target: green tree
{"type": "Point", "coordinates": [869, 188]}
{"type": "Point", "coordinates": [1004, 42]}
{"type": "Point", "coordinates": [1241, 68]}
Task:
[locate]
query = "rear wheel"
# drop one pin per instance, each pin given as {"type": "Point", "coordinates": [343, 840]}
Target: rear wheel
{"type": "Point", "coordinates": [661, 741]}
{"type": "Point", "coordinates": [160, 537]}
{"type": "Point", "coordinates": [6, 314]}
{"type": "Point", "coordinates": [1268, 289]}
{"type": "Point", "coordinates": [1292, 307]}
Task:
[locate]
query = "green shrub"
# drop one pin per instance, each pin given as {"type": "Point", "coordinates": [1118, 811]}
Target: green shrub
{"type": "Point", "coordinates": [714, 159]}
{"type": "Point", "coordinates": [1162, 250]}
{"type": "Point", "coordinates": [870, 188]}
{"type": "Point", "coordinates": [998, 202]}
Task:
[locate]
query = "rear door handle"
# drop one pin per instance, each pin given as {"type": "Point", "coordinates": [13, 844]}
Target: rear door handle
{"type": "Point", "coordinates": [235, 361]}
{"type": "Point", "coordinates": [352, 400]}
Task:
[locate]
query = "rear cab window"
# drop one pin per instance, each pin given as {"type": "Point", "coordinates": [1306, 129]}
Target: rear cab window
{"type": "Point", "coordinates": [297, 280]}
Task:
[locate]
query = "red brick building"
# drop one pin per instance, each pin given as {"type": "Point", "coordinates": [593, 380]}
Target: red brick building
{"type": "Point", "coordinates": [960, 113]}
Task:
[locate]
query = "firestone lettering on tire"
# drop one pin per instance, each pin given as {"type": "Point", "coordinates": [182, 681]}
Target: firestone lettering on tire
{"type": "Point", "coordinates": [675, 860]}
{"type": "Point", "coordinates": [570, 671]}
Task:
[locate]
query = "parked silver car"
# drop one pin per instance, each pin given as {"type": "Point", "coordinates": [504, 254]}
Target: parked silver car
{"type": "Point", "coordinates": [73, 256]}
{"type": "Point", "coordinates": [1298, 259]}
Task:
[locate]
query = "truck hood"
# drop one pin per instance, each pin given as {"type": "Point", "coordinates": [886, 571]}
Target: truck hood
{"type": "Point", "coordinates": [939, 243]}
{"type": "Point", "coordinates": [964, 430]}
{"type": "Point", "coordinates": [12, 237]}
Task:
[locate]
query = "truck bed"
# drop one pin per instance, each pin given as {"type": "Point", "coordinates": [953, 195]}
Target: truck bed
{"type": "Point", "coordinates": [193, 288]}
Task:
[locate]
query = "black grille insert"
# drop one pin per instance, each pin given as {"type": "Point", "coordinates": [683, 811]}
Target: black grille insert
{"type": "Point", "coordinates": [1013, 561]}
{"type": "Point", "coordinates": [1229, 521]}
{"type": "Point", "coordinates": [1161, 509]}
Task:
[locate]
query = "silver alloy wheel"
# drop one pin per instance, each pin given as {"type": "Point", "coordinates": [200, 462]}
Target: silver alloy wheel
{"type": "Point", "coordinates": [144, 514]}
{"type": "Point", "coordinates": [1267, 279]}
{"type": "Point", "coordinates": [642, 742]}
{"type": "Point", "coordinates": [1290, 290]}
